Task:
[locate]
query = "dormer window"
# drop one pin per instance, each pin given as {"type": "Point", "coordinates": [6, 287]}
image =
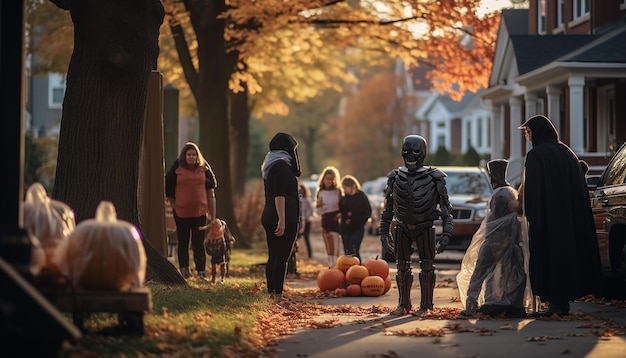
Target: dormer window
{"type": "Point", "coordinates": [581, 8]}
{"type": "Point", "coordinates": [541, 16]}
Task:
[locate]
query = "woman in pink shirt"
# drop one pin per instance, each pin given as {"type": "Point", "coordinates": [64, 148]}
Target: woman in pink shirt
{"type": "Point", "coordinates": [190, 188]}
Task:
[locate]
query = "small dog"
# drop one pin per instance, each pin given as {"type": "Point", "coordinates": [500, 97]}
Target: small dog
{"type": "Point", "coordinates": [218, 244]}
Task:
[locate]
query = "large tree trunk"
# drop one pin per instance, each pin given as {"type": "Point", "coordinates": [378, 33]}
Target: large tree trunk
{"type": "Point", "coordinates": [211, 94]}
{"type": "Point", "coordinates": [240, 140]}
{"type": "Point", "coordinates": [115, 49]}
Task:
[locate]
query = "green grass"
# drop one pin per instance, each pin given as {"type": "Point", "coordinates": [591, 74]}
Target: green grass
{"type": "Point", "coordinates": [197, 320]}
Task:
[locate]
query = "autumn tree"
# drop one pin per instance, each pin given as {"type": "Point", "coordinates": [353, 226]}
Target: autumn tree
{"type": "Point", "coordinates": [245, 42]}
{"type": "Point", "coordinates": [101, 136]}
{"type": "Point", "coordinates": [295, 49]}
{"type": "Point", "coordinates": [363, 138]}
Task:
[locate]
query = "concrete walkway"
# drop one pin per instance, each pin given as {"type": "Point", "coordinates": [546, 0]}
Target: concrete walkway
{"type": "Point", "coordinates": [594, 330]}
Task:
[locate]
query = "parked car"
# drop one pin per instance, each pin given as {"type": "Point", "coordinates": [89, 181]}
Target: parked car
{"type": "Point", "coordinates": [469, 190]}
{"type": "Point", "coordinates": [375, 191]}
{"type": "Point", "coordinates": [608, 203]}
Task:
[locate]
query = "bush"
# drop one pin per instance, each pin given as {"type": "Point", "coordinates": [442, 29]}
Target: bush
{"type": "Point", "coordinates": [441, 157]}
{"type": "Point", "coordinates": [470, 158]}
{"type": "Point", "coordinates": [248, 210]}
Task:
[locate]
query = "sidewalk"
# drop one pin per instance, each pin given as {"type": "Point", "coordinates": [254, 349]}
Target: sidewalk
{"type": "Point", "coordinates": [593, 330]}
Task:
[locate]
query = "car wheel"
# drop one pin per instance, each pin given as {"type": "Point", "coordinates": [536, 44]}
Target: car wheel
{"type": "Point", "coordinates": [617, 250]}
{"type": "Point", "coordinates": [613, 288]}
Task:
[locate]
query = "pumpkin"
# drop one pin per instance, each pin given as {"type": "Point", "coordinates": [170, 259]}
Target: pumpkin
{"type": "Point", "coordinates": [105, 253]}
{"type": "Point", "coordinates": [356, 273]}
{"type": "Point", "coordinates": [372, 286]}
{"type": "Point", "coordinates": [345, 261]}
{"type": "Point", "coordinates": [353, 290]}
{"type": "Point", "coordinates": [377, 267]}
{"type": "Point", "coordinates": [49, 221]}
{"type": "Point", "coordinates": [387, 284]}
{"type": "Point", "coordinates": [330, 279]}
{"type": "Point", "coordinates": [341, 292]}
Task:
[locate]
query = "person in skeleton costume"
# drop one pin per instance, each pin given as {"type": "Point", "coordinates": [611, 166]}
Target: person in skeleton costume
{"type": "Point", "coordinates": [415, 196]}
{"type": "Point", "coordinates": [492, 279]}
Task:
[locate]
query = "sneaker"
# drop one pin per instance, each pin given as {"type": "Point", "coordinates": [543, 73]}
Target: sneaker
{"type": "Point", "coordinates": [185, 272]}
{"type": "Point", "coordinates": [202, 274]}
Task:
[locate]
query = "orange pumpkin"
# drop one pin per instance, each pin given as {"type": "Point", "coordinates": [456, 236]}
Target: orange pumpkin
{"type": "Point", "coordinates": [345, 261]}
{"type": "Point", "coordinates": [341, 292]}
{"type": "Point", "coordinates": [330, 279]}
{"type": "Point", "coordinates": [356, 273]}
{"type": "Point", "coordinates": [377, 267]}
{"type": "Point", "coordinates": [387, 284]}
{"type": "Point", "coordinates": [372, 286]}
{"type": "Point", "coordinates": [105, 253]}
{"type": "Point", "coordinates": [354, 290]}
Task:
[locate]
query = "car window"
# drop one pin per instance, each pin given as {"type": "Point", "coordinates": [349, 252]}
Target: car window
{"type": "Point", "coordinates": [615, 173]}
{"type": "Point", "coordinates": [468, 184]}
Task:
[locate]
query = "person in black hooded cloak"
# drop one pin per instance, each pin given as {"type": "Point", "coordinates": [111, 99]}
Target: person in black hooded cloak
{"type": "Point", "coordinates": [564, 255]}
{"type": "Point", "coordinates": [281, 213]}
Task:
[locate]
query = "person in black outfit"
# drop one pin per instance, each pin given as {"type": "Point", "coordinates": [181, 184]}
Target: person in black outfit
{"type": "Point", "coordinates": [281, 213]}
{"type": "Point", "coordinates": [564, 254]}
{"type": "Point", "coordinates": [355, 211]}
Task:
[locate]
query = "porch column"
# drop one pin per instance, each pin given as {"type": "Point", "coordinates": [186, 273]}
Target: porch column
{"type": "Point", "coordinates": [516, 161]}
{"type": "Point", "coordinates": [554, 106]}
{"type": "Point", "coordinates": [496, 131]}
{"type": "Point", "coordinates": [531, 108]}
{"type": "Point", "coordinates": [576, 113]}
{"type": "Point", "coordinates": [531, 104]}
{"type": "Point", "coordinates": [516, 121]}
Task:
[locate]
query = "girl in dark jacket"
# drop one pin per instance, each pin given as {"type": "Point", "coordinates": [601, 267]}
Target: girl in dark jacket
{"type": "Point", "coordinates": [355, 211]}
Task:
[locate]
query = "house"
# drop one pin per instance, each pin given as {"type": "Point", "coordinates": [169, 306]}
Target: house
{"type": "Point", "coordinates": [565, 59]}
{"type": "Point", "coordinates": [456, 125]}
{"type": "Point", "coordinates": [44, 103]}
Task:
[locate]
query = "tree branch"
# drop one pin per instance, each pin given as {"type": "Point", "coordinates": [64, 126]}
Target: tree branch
{"type": "Point", "coordinates": [182, 48]}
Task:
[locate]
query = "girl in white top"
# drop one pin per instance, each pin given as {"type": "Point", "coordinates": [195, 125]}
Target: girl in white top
{"type": "Point", "coordinates": [328, 195]}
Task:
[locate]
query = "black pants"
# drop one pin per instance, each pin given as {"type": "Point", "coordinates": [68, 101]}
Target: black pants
{"type": "Point", "coordinates": [307, 240]}
{"type": "Point", "coordinates": [279, 250]}
{"type": "Point", "coordinates": [189, 229]}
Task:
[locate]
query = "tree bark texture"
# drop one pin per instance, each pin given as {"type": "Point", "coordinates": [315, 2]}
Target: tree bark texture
{"type": "Point", "coordinates": [115, 49]}
{"type": "Point", "coordinates": [211, 94]}
{"type": "Point", "coordinates": [240, 142]}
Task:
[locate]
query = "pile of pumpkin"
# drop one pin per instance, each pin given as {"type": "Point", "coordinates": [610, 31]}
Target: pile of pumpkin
{"type": "Point", "coordinates": [351, 278]}
{"type": "Point", "coordinates": [102, 253]}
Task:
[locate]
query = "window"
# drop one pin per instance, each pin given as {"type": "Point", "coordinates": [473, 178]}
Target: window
{"type": "Point", "coordinates": [56, 90]}
{"type": "Point", "coordinates": [581, 8]}
{"type": "Point", "coordinates": [559, 13]}
{"type": "Point", "coordinates": [541, 16]}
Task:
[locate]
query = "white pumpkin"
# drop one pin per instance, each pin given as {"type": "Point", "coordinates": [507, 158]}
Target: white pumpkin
{"type": "Point", "coordinates": [106, 253]}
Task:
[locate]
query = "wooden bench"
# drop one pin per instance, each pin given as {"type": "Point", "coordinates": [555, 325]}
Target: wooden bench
{"type": "Point", "coordinates": [130, 306]}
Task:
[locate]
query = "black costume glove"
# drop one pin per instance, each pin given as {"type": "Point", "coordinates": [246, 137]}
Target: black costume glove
{"type": "Point", "coordinates": [442, 243]}
{"type": "Point", "coordinates": [386, 239]}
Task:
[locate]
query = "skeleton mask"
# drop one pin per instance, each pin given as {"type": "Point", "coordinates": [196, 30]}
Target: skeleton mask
{"type": "Point", "coordinates": [413, 151]}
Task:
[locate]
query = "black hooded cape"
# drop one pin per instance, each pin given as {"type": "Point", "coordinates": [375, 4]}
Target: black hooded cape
{"type": "Point", "coordinates": [564, 255]}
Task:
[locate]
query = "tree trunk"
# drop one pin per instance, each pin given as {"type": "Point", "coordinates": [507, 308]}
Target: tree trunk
{"type": "Point", "coordinates": [240, 140]}
{"type": "Point", "coordinates": [115, 49]}
{"type": "Point", "coordinates": [211, 95]}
